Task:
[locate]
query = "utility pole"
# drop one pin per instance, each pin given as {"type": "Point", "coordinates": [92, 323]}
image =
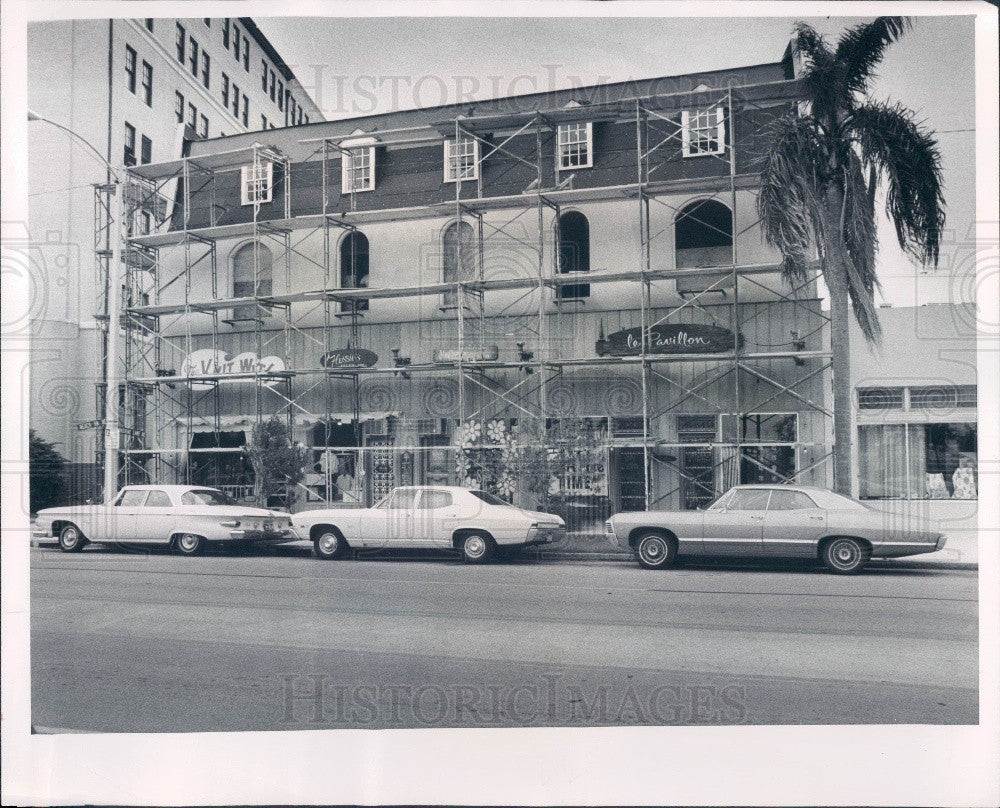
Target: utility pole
{"type": "Point", "coordinates": [112, 434]}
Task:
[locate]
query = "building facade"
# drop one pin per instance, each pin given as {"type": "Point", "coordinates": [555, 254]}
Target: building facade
{"type": "Point", "coordinates": [137, 91]}
{"type": "Point", "coordinates": [562, 297]}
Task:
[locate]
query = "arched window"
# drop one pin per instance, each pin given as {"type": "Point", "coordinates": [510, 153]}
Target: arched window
{"type": "Point", "coordinates": [703, 235]}
{"type": "Point", "coordinates": [354, 268]}
{"type": "Point", "coordinates": [251, 261]}
{"type": "Point", "coordinates": [458, 246]}
{"type": "Point", "coordinates": [574, 253]}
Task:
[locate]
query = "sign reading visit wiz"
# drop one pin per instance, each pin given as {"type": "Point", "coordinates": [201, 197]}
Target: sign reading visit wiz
{"type": "Point", "coordinates": [209, 362]}
{"type": "Point", "coordinates": [681, 338]}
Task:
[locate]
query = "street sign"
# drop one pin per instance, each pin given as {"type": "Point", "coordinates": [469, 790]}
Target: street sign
{"type": "Point", "coordinates": [89, 425]}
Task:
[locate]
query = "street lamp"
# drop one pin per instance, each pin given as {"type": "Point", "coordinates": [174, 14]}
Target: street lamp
{"type": "Point", "coordinates": [111, 433]}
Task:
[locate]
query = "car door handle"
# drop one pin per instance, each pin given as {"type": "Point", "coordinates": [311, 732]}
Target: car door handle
{"type": "Point", "coordinates": [816, 518]}
{"type": "Point", "coordinates": [757, 518]}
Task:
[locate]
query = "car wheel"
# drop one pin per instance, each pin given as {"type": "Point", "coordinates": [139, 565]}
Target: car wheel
{"type": "Point", "coordinates": [654, 551]}
{"type": "Point", "coordinates": [71, 540]}
{"type": "Point", "coordinates": [328, 545]}
{"type": "Point", "coordinates": [476, 548]}
{"type": "Point", "coordinates": [845, 555]}
{"type": "Point", "coordinates": [189, 544]}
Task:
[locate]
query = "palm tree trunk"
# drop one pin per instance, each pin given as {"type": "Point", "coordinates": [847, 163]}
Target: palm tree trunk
{"type": "Point", "coordinates": [835, 275]}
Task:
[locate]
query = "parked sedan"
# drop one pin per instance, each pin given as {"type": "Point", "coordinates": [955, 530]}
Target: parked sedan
{"type": "Point", "coordinates": [773, 522]}
{"type": "Point", "coordinates": [184, 517]}
{"type": "Point", "coordinates": [474, 522]}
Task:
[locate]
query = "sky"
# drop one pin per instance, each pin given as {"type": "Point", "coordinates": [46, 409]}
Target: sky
{"type": "Point", "coordinates": [364, 66]}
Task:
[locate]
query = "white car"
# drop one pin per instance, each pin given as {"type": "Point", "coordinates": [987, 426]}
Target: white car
{"type": "Point", "coordinates": [447, 517]}
{"type": "Point", "coordinates": [185, 517]}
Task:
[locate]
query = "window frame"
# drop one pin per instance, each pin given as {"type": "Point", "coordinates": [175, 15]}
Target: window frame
{"type": "Point", "coordinates": [347, 175]}
{"type": "Point", "coordinates": [131, 67]}
{"type": "Point", "coordinates": [194, 54]}
{"type": "Point", "coordinates": [153, 492]}
{"type": "Point", "coordinates": [192, 116]}
{"type": "Point", "coordinates": [147, 83]}
{"type": "Point", "coordinates": [689, 127]}
{"type": "Point", "coordinates": [203, 125]}
{"type": "Point", "coordinates": [256, 190]}
{"type": "Point", "coordinates": [206, 69]}
{"type": "Point", "coordinates": [145, 150]}
{"type": "Point", "coordinates": [179, 106]}
{"type": "Point", "coordinates": [129, 144]}
{"type": "Point", "coordinates": [225, 91]}
{"type": "Point", "coordinates": [588, 142]}
{"type": "Point", "coordinates": [180, 44]}
{"type": "Point", "coordinates": [450, 159]}
{"type": "Point", "coordinates": [246, 110]}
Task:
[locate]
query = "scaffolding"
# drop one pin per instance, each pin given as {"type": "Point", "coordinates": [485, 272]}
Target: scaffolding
{"type": "Point", "coordinates": [179, 208]}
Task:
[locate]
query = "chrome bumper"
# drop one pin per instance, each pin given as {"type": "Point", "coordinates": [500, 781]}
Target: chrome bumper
{"type": "Point", "coordinates": [545, 535]}
{"type": "Point", "coordinates": [262, 535]}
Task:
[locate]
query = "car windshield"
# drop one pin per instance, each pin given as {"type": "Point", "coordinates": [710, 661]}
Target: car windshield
{"type": "Point", "coordinates": [836, 501]}
{"type": "Point", "coordinates": [719, 502]}
{"type": "Point", "coordinates": [488, 498]}
{"type": "Point", "coordinates": [205, 496]}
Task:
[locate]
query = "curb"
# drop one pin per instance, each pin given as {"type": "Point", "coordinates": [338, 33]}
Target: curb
{"type": "Point", "coordinates": [554, 555]}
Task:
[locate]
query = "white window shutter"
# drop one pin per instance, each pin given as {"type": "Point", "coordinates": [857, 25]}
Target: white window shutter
{"type": "Point", "coordinates": [345, 173]}
{"type": "Point", "coordinates": [371, 168]}
{"type": "Point", "coordinates": [720, 129]}
{"type": "Point", "coordinates": [244, 185]}
{"type": "Point", "coordinates": [268, 195]}
{"type": "Point", "coordinates": [686, 131]}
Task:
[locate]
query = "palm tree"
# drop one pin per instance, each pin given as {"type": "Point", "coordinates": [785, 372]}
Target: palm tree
{"type": "Point", "coordinates": [819, 180]}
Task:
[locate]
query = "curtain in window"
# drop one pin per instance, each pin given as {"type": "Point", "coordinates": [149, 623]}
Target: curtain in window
{"type": "Point", "coordinates": [918, 485]}
{"type": "Point", "coordinates": [882, 462]}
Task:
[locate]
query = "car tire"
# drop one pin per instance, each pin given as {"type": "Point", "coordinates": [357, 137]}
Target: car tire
{"type": "Point", "coordinates": [655, 551]}
{"type": "Point", "coordinates": [71, 539]}
{"type": "Point", "coordinates": [477, 548]}
{"type": "Point", "coordinates": [329, 544]}
{"type": "Point", "coordinates": [845, 556]}
{"type": "Point", "coordinates": [189, 544]}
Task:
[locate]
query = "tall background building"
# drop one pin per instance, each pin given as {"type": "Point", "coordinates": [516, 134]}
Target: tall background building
{"type": "Point", "coordinates": [137, 91]}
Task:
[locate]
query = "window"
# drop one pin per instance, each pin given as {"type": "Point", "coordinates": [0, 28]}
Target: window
{"type": "Point", "coordinates": [357, 170]}
{"type": "Point", "coordinates": [236, 101]}
{"type": "Point", "coordinates": [130, 68]}
{"type": "Point", "coordinates": [281, 95]}
{"type": "Point", "coordinates": [236, 42]}
{"type": "Point", "coordinates": [246, 111]}
{"type": "Point", "coordinates": [703, 131]}
{"type": "Point", "coordinates": [918, 461]}
{"type": "Point", "coordinates": [263, 122]}
{"type": "Point", "coordinates": [179, 106]}
{"type": "Point", "coordinates": [206, 496]}
{"type": "Point", "coordinates": [943, 397]}
{"type": "Point", "coordinates": [256, 183]}
{"type": "Point", "coordinates": [354, 268]}
{"type": "Point", "coordinates": [129, 144]}
{"type": "Point", "coordinates": [576, 145]}
{"type": "Point", "coordinates": [225, 33]}
{"type": "Point", "coordinates": [263, 75]}
{"type": "Point", "coordinates": [251, 261]}
{"type": "Point", "coordinates": [270, 88]}
{"type": "Point", "coordinates": [246, 54]}
{"type": "Point", "coordinates": [193, 62]}
{"type": "Point", "coordinates": [880, 398]}
{"type": "Point", "coordinates": [768, 446]}
{"type": "Point", "coordinates": [147, 83]}
{"type": "Point", "coordinates": [574, 253]}
{"type": "Point", "coordinates": [300, 116]}
{"type": "Point", "coordinates": [789, 501]}
{"type": "Point", "coordinates": [429, 500]}
{"type": "Point", "coordinates": [158, 499]}
{"type": "Point", "coordinates": [400, 499]}
{"type": "Point", "coordinates": [181, 43]}
{"type": "Point", "coordinates": [459, 250]}
{"type": "Point", "coordinates": [206, 69]}
{"type": "Point", "coordinates": [225, 91]}
{"type": "Point", "coordinates": [203, 126]}
{"type": "Point", "coordinates": [145, 228]}
{"type": "Point", "coordinates": [461, 159]}
{"type": "Point", "coordinates": [749, 499]}
{"type": "Point", "coordinates": [305, 118]}
{"type": "Point", "coordinates": [696, 463]}
{"type": "Point", "coordinates": [192, 115]}
{"type": "Point", "coordinates": [132, 498]}
{"type": "Point", "coordinates": [146, 147]}
{"type": "Point", "coordinates": [148, 21]}
{"type": "Point", "coordinates": [703, 235]}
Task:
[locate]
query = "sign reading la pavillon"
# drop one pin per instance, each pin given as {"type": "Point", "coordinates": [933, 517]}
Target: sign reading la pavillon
{"type": "Point", "coordinates": [671, 338]}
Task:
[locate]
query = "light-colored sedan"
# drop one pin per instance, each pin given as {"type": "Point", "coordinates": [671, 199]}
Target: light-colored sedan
{"type": "Point", "coordinates": [773, 522]}
{"type": "Point", "coordinates": [446, 517]}
{"type": "Point", "coordinates": [184, 517]}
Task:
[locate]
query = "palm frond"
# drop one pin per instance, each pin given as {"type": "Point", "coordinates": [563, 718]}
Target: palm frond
{"type": "Point", "coordinates": [818, 66]}
{"type": "Point", "coordinates": [906, 155]}
{"type": "Point", "coordinates": [787, 202]}
{"type": "Point", "coordinates": [862, 47]}
{"type": "Point", "coordinates": [861, 239]}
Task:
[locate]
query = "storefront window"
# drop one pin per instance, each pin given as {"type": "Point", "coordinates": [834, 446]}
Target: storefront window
{"type": "Point", "coordinates": [918, 461]}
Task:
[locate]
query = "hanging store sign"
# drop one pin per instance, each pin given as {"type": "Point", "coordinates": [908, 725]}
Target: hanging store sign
{"type": "Point", "coordinates": [679, 338]}
{"type": "Point", "coordinates": [211, 362]}
{"type": "Point", "coordinates": [488, 353]}
{"type": "Point", "coordinates": [348, 358]}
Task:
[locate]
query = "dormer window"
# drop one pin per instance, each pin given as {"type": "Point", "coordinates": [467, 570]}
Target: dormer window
{"type": "Point", "coordinates": [703, 131]}
{"type": "Point", "coordinates": [461, 159]}
{"type": "Point", "coordinates": [576, 145]}
{"type": "Point", "coordinates": [256, 184]}
{"type": "Point", "coordinates": [357, 170]}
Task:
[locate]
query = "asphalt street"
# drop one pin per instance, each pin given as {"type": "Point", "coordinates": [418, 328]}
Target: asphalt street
{"type": "Point", "coordinates": [135, 642]}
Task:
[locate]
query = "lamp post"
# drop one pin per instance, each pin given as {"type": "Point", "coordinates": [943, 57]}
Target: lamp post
{"type": "Point", "coordinates": [112, 435]}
